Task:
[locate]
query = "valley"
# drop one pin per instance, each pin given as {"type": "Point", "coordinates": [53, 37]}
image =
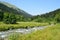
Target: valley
{"type": "Point", "coordinates": [17, 24]}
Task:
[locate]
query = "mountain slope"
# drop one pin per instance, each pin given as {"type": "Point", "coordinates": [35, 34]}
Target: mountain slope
{"type": "Point", "coordinates": [50, 16]}
{"type": "Point", "coordinates": [6, 7]}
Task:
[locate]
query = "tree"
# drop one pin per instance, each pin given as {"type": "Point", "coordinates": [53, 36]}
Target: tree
{"type": "Point", "coordinates": [9, 19]}
{"type": "Point", "coordinates": [57, 18]}
{"type": "Point", "coordinates": [1, 16]}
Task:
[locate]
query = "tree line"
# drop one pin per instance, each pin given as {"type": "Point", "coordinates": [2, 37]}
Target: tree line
{"type": "Point", "coordinates": [53, 16]}
{"type": "Point", "coordinates": [11, 18]}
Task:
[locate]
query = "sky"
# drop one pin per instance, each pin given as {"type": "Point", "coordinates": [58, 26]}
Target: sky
{"type": "Point", "coordinates": [35, 7]}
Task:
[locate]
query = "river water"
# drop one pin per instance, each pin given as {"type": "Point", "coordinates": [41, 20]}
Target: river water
{"type": "Point", "coordinates": [4, 34]}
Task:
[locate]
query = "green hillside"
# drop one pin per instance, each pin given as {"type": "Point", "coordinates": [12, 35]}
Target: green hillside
{"type": "Point", "coordinates": [48, 17]}
{"type": "Point", "coordinates": [6, 7]}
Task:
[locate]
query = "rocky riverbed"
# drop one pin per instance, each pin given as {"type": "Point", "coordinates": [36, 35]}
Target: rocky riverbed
{"type": "Point", "coordinates": [4, 34]}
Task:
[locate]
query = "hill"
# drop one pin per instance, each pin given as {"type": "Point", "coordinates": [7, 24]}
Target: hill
{"type": "Point", "coordinates": [50, 16]}
{"type": "Point", "coordinates": [6, 7]}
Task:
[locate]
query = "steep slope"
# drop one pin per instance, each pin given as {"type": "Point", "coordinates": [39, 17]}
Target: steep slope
{"type": "Point", "coordinates": [6, 7]}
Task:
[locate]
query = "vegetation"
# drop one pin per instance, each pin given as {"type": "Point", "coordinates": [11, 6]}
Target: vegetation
{"type": "Point", "coordinates": [1, 15]}
{"type": "Point", "coordinates": [57, 18]}
{"type": "Point", "coordinates": [50, 33]}
{"type": "Point", "coordinates": [52, 16]}
{"type": "Point", "coordinates": [9, 19]}
{"type": "Point", "coordinates": [12, 17]}
{"type": "Point", "coordinates": [6, 7]}
{"type": "Point", "coordinates": [4, 27]}
{"type": "Point", "coordinates": [16, 14]}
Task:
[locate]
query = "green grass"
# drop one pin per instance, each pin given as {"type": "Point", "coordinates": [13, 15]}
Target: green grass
{"type": "Point", "coordinates": [50, 33]}
{"type": "Point", "coordinates": [4, 27]}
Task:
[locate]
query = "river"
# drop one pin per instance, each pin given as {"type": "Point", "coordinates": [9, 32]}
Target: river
{"type": "Point", "coordinates": [4, 34]}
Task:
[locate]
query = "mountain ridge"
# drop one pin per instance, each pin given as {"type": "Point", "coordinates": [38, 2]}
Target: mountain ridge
{"type": "Point", "coordinates": [50, 16]}
{"type": "Point", "coordinates": [6, 7]}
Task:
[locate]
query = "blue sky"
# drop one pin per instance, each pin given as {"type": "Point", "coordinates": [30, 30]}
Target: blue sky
{"type": "Point", "coordinates": [35, 7]}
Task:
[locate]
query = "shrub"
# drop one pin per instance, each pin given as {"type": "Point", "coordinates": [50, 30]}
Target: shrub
{"type": "Point", "coordinates": [9, 19]}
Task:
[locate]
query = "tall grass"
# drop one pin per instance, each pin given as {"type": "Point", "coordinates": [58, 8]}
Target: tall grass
{"type": "Point", "coordinates": [50, 33]}
{"type": "Point", "coordinates": [4, 27]}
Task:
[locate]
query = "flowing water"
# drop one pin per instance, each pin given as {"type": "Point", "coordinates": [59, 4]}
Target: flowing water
{"type": "Point", "coordinates": [4, 34]}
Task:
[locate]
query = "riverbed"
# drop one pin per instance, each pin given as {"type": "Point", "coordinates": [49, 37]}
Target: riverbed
{"type": "Point", "coordinates": [4, 34]}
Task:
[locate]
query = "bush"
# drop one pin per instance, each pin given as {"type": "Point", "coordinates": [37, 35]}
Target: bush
{"type": "Point", "coordinates": [9, 19]}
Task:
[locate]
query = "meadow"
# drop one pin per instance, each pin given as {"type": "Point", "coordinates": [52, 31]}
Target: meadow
{"type": "Point", "coordinates": [50, 33]}
{"type": "Point", "coordinates": [4, 27]}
